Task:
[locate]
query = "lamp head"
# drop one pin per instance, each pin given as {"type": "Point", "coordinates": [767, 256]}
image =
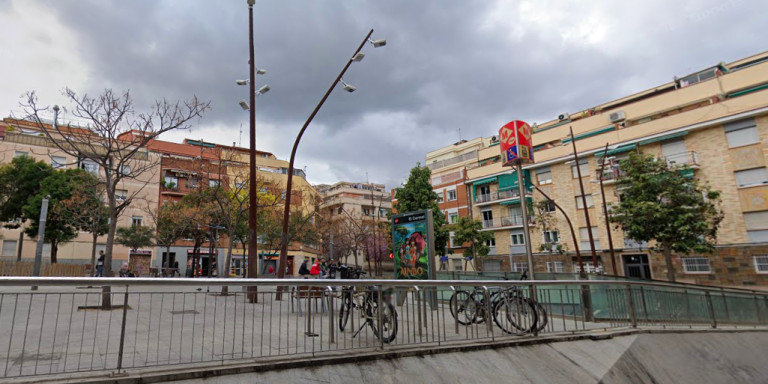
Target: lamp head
{"type": "Point", "coordinates": [378, 43]}
{"type": "Point", "coordinates": [260, 71]}
{"type": "Point", "coordinates": [358, 57]}
{"type": "Point", "coordinates": [263, 90]}
{"type": "Point", "coordinates": [241, 82]}
{"type": "Point", "coordinates": [244, 105]}
{"type": "Point", "coordinates": [348, 87]}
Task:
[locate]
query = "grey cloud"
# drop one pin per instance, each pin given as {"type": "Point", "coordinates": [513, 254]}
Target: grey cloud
{"type": "Point", "coordinates": [444, 66]}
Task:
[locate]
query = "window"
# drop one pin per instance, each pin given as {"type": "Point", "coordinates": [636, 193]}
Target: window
{"type": "Point", "coordinates": [519, 267]}
{"type": "Point", "coordinates": [214, 183]}
{"type": "Point", "coordinates": [544, 175]}
{"type": "Point", "coordinates": [121, 194]}
{"type": "Point", "coordinates": [588, 267]}
{"type": "Point", "coordinates": [192, 183]}
{"type": "Point", "coordinates": [517, 239]}
{"type": "Point", "coordinates": [9, 247]}
{"type": "Point", "coordinates": [58, 162]}
{"type": "Point", "coordinates": [584, 237]}
{"type": "Point", "coordinates": [90, 166]}
{"type": "Point", "coordinates": [484, 190]}
{"type": "Point", "coordinates": [741, 133]}
{"type": "Point", "coordinates": [695, 265]}
{"type": "Point", "coordinates": [515, 215]}
{"type": "Point", "coordinates": [20, 153]}
{"type": "Point", "coordinates": [451, 240]}
{"type": "Point", "coordinates": [557, 268]}
{"type": "Point", "coordinates": [580, 202]}
{"type": "Point", "coordinates": [487, 219]}
{"type": "Point", "coordinates": [453, 218]}
{"type": "Point", "coordinates": [367, 211]}
{"type": "Point", "coordinates": [583, 167]}
{"type": "Point", "coordinates": [757, 226]}
{"type": "Point", "coordinates": [452, 195]}
{"type": "Point", "coordinates": [439, 197]}
{"type": "Point", "coordinates": [458, 267]}
{"type": "Point", "coordinates": [761, 263]}
{"type": "Point", "coordinates": [551, 236]}
{"type": "Point", "coordinates": [548, 206]}
{"type": "Point", "coordinates": [125, 170]}
{"type": "Point", "coordinates": [754, 176]}
{"type": "Point", "coordinates": [136, 221]}
{"type": "Point", "coordinates": [491, 243]}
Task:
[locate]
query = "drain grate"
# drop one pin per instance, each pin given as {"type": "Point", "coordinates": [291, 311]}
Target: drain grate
{"type": "Point", "coordinates": [185, 312]}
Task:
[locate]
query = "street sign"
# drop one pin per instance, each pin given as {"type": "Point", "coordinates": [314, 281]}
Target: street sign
{"type": "Point", "coordinates": [516, 143]}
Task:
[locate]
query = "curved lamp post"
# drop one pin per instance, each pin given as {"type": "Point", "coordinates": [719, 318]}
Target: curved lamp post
{"type": "Point", "coordinates": [357, 56]}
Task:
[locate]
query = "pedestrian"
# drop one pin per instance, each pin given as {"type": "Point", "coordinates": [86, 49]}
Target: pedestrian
{"type": "Point", "coordinates": [100, 265]}
{"type": "Point", "coordinates": [176, 269]}
{"type": "Point", "coordinates": [303, 270]}
{"type": "Point", "coordinates": [271, 270]}
{"type": "Point", "coordinates": [314, 270]}
{"type": "Point", "coordinates": [124, 271]}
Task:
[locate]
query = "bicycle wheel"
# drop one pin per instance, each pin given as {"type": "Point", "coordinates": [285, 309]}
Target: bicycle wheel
{"type": "Point", "coordinates": [346, 309]}
{"type": "Point", "coordinates": [514, 315]}
{"type": "Point", "coordinates": [478, 299]}
{"type": "Point", "coordinates": [463, 307]}
{"type": "Point", "coordinates": [388, 321]}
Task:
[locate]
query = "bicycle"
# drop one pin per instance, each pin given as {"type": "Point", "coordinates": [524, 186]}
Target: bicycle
{"type": "Point", "coordinates": [368, 303]}
{"type": "Point", "coordinates": [468, 307]}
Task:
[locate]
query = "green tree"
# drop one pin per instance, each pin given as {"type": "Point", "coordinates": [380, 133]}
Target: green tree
{"type": "Point", "coordinates": [417, 194]}
{"type": "Point", "coordinates": [85, 209]}
{"type": "Point", "coordinates": [661, 204]}
{"type": "Point", "coordinates": [135, 236]}
{"type": "Point", "coordinates": [468, 231]}
{"type": "Point", "coordinates": [19, 180]}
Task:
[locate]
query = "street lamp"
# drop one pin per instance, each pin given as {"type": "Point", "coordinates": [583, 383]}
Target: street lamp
{"type": "Point", "coordinates": [289, 184]}
{"type": "Point", "coordinates": [244, 104]}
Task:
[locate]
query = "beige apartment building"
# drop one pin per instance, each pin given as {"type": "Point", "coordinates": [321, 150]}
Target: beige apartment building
{"type": "Point", "coordinates": [715, 121]}
{"type": "Point", "coordinates": [24, 138]}
{"type": "Point", "coordinates": [358, 205]}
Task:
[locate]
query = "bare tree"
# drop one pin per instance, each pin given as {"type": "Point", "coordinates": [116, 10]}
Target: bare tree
{"type": "Point", "coordinates": [114, 142]}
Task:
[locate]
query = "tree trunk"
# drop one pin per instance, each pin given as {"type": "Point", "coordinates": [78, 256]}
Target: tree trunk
{"type": "Point", "coordinates": [228, 262]}
{"type": "Point", "coordinates": [245, 257]}
{"type": "Point", "coordinates": [54, 249]}
{"type": "Point", "coordinates": [670, 266]}
{"type": "Point", "coordinates": [93, 253]}
{"type": "Point", "coordinates": [106, 292]}
{"type": "Point", "coordinates": [474, 258]}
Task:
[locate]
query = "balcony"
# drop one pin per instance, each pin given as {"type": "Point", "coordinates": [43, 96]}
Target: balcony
{"type": "Point", "coordinates": [504, 222]}
{"type": "Point", "coordinates": [611, 172]}
{"type": "Point", "coordinates": [690, 159]}
{"type": "Point", "coordinates": [496, 196]}
{"type": "Point", "coordinates": [453, 160]}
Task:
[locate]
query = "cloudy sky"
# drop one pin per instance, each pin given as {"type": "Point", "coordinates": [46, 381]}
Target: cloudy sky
{"type": "Point", "coordinates": [449, 66]}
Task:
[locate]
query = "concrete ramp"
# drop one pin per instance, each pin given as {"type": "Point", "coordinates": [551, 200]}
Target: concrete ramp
{"type": "Point", "coordinates": [698, 357]}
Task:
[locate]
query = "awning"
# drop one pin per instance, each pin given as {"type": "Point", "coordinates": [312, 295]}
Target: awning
{"type": "Point", "coordinates": [528, 201]}
{"type": "Point", "coordinates": [509, 181]}
{"type": "Point", "coordinates": [487, 180]}
{"type": "Point", "coordinates": [617, 150]}
{"type": "Point", "coordinates": [662, 138]}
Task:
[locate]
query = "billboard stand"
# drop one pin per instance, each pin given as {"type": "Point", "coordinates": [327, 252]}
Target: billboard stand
{"type": "Point", "coordinates": [413, 249]}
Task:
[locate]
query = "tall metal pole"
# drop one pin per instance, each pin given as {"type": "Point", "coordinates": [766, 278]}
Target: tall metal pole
{"type": "Point", "coordinates": [605, 211]}
{"type": "Point", "coordinates": [252, 200]}
{"type": "Point", "coordinates": [584, 201]}
{"type": "Point", "coordinates": [289, 185]}
{"type": "Point", "coordinates": [524, 208]}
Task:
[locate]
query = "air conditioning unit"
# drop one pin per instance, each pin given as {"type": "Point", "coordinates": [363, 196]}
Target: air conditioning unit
{"type": "Point", "coordinates": [617, 116]}
{"type": "Point", "coordinates": [494, 139]}
{"type": "Point", "coordinates": [563, 116]}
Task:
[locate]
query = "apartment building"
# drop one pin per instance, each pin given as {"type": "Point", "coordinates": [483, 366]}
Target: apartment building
{"type": "Point", "coordinates": [715, 121]}
{"type": "Point", "coordinates": [24, 138]}
{"type": "Point", "coordinates": [359, 205]}
{"type": "Point", "coordinates": [449, 166]}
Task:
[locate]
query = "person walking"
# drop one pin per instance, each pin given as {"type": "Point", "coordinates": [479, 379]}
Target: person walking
{"type": "Point", "coordinates": [303, 270]}
{"type": "Point", "coordinates": [124, 271]}
{"type": "Point", "coordinates": [314, 270]}
{"type": "Point", "coordinates": [100, 265]}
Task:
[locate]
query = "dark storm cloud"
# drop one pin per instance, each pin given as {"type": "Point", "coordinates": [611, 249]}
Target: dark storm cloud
{"type": "Point", "coordinates": [448, 65]}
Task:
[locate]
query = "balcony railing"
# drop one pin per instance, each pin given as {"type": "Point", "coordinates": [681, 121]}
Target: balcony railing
{"type": "Point", "coordinates": [494, 196]}
{"type": "Point", "coordinates": [453, 160]}
{"type": "Point", "coordinates": [499, 222]}
{"type": "Point", "coordinates": [690, 158]}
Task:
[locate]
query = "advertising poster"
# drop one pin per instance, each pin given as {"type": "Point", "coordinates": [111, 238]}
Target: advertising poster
{"type": "Point", "coordinates": [412, 242]}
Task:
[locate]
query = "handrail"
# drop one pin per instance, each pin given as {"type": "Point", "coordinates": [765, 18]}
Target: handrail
{"type": "Point", "coordinates": [10, 281]}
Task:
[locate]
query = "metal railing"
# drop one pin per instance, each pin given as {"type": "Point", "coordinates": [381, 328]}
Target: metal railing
{"type": "Point", "coordinates": [63, 327]}
{"type": "Point", "coordinates": [690, 158]}
{"type": "Point", "coordinates": [453, 160]}
{"type": "Point", "coordinates": [499, 222]}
